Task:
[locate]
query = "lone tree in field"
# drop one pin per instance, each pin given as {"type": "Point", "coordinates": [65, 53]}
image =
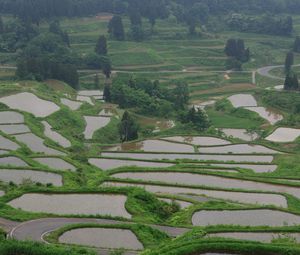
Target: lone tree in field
{"type": "Point", "coordinates": [291, 82]}
{"type": "Point", "coordinates": [107, 93]}
{"type": "Point", "coordinates": [116, 28]}
{"type": "Point", "coordinates": [101, 46]}
{"type": "Point", "coordinates": [289, 61]}
{"type": "Point", "coordinates": [236, 48]}
{"type": "Point", "coordinates": [296, 47]}
{"type": "Point", "coordinates": [128, 128]}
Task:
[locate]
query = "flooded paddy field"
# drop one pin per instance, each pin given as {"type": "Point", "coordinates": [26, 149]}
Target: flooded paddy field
{"type": "Point", "coordinates": [19, 176]}
{"type": "Point", "coordinates": [73, 105]}
{"type": "Point", "coordinates": [73, 204]}
{"type": "Point", "coordinates": [242, 134]}
{"type": "Point", "coordinates": [199, 157]}
{"type": "Point", "coordinates": [36, 144]}
{"type": "Point", "coordinates": [56, 137]}
{"type": "Point", "coordinates": [14, 129]}
{"type": "Point", "coordinates": [261, 217]}
{"type": "Point", "coordinates": [198, 140]}
{"type": "Point", "coordinates": [27, 102]}
{"type": "Point", "coordinates": [7, 144]}
{"type": "Point", "coordinates": [208, 180]}
{"type": "Point", "coordinates": [102, 238]}
{"type": "Point", "coordinates": [284, 135]}
{"type": "Point", "coordinates": [93, 123]}
{"type": "Point", "coordinates": [107, 164]}
{"type": "Point", "coordinates": [10, 117]}
{"type": "Point", "coordinates": [13, 161]}
{"type": "Point", "coordinates": [241, 197]}
{"type": "Point", "coordinates": [56, 163]}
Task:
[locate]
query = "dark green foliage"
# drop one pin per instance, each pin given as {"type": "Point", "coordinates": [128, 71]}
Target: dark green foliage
{"type": "Point", "coordinates": [233, 64]}
{"type": "Point", "coordinates": [116, 28]}
{"type": "Point", "coordinates": [236, 48]}
{"type": "Point", "coordinates": [296, 47]}
{"type": "Point", "coordinates": [96, 82]}
{"type": "Point", "coordinates": [197, 118]}
{"type": "Point", "coordinates": [266, 24]}
{"type": "Point", "coordinates": [137, 33]}
{"type": "Point", "coordinates": [147, 205]}
{"type": "Point", "coordinates": [181, 95]}
{"type": "Point", "coordinates": [128, 128]}
{"type": "Point", "coordinates": [106, 66]}
{"type": "Point", "coordinates": [95, 61]}
{"type": "Point", "coordinates": [289, 61]}
{"type": "Point", "coordinates": [291, 82]}
{"type": "Point", "coordinates": [12, 247]}
{"type": "Point", "coordinates": [107, 93]}
{"type": "Point", "coordinates": [55, 28]}
{"type": "Point", "coordinates": [47, 57]}
{"type": "Point", "coordinates": [101, 46]}
{"type": "Point", "coordinates": [1, 25]}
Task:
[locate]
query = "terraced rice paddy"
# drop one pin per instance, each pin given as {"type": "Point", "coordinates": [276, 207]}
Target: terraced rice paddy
{"type": "Point", "coordinates": [27, 102]}
{"type": "Point", "coordinates": [56, 163]}
{"type": "Point", "coordinates": [85, 99]}
{"type": "Point", "coordinates": [10, 117]}
{"type": "Point", "coordinates": [20, 176]}
{"type": "Point", "coordinates": [242, 134]}
{"type": "Point", "coordinates": [238, 149]}
{"type": "Point", "coordinates": [73, 204]}
{"type": "Point", "coordinates": [13, 161]}
{"type": "Point", "coordinates": [154, 146]}
{"type": "Point", "coordinates": [254, 167]}
{"type": "Point", "coordinates": [107, 164]}
{"type": "Point", "coordinates": [73, 105]}
{"type": "Point", "coordinates": [208, 181]}
{"type": "Point", "coordinates": [268, 114]}
{"type": "Point", "coordinates": [242, 100]}
{"type": "Point", "coordinates": [245, 218]}
{"type": "Point", "coordinates": [198, 157]}
{"type": "Point", "coordinates": [259, 236]}
{"type": "Point", "coordinates": [7, 144]}
{"type": "Point", "coordinates": [93, 123]}
{"type": "Point", "coordinates": [36, 144]}
{"type": "Point", "coordinates": [248, 198]}
{"type": "Point", "coordinates": [14, 129]}
{"type": "Point", "coordinates": [102, 238]}
{"type": "Point", "coordinates": [198, 140]}
{"type": "Point", "coordinates": [56, 137]}
{"type": "Point", "coordinates": [284, 135]}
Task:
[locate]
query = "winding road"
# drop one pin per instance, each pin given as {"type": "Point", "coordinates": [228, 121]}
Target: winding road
{"type": "Point", "coordinates": [265, 71]}
{"type": "Point", "coordinates": [36, 230]}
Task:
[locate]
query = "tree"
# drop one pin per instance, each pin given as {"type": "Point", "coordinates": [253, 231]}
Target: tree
{"type": "Point", "coordinates": [137, 33]}
{"type": "Point", "coordinates": [236, 48]}
{"type": "Point", "coordinates": [296, 47]}
{"type": "Point", "coordinates": [289, 61]}
{"type": "Point", "coordinates": [116, 28]}
{"type": "Point", "coordinates": [291, 82]}
{"type": "Point", "coordinates": [181, 94]}
{"type": "Point", "coordinates": [96, 82]}
{"type": "Point", "coordinates": [134, 15]}
{"type": "Point", "coordinates": [107, 93]}
{"type": "Point", "coordinates": [55, 28]}
{"type": "Point", "coordinates": [106, 66]}
{"type": "Point", "coordinates": [128, 128]}
{"type": "Point", "coordinates": [101, 46]}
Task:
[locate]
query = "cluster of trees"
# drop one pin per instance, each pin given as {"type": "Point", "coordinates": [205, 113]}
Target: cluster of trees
{"type": "Point", "coordinates": [266, 24]}
{"type": "Point", "coordinates": [237, 53]}
{"type": "Point", "coordinates": [48, 56]}
{"type": "Point", "coordinates": [128, 128]}
{"type": "Point", "coordinates": [196, 117]}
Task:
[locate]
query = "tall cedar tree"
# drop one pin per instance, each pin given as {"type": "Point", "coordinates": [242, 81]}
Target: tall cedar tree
{"type": "Point", "coordinates": [116, 28]}
{"type": "Point", "coordinates": [181, 94]}
{"type": "Point", "coordinates": [289, 61]}
{"type": "Point", "coordinates": [291, 82]}
{"type": "Point", "coordinates": [96, 82]}
{"type": "Point", "coordinates": [107, 93]}
{"type": "Point", "coordinates": [106, 66]}
{"type": "Point", "coordinates": [296, 47]}
{"type": "Point", "coordinates": [101, 46]}
{"type": "Point", "coordinates": [128, 128]}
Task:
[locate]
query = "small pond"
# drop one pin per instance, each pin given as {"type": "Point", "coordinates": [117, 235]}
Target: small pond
{"type": "Point", "coordinates": [102, 238]}
{"type": "Point", "coordinates": [73, 204]}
